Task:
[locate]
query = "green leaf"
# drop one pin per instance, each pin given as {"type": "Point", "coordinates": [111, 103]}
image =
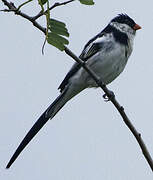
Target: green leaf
{"type": "Point", "coordinates": [43, 1]}
{"type": "Point", "coordinates": [59, 38]}
{"type": "Point", "coordinates": [57, 41]}
{"type": "Point", "coordinates": [55, 44]}
{"type": "Point", "coordinates": [87, 2]}
{"type": "Point", "coordinates": [58, 27]}
{"type": "Point", "coordinates": [54, 22]}
{"type": "Point", "coordinates": [55, 37]}
{"type": "Point", "coordinates": [58, 30]}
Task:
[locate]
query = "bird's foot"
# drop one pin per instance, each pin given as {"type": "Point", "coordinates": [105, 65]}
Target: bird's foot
{"type": "Point", "coordinates": [109, 97]}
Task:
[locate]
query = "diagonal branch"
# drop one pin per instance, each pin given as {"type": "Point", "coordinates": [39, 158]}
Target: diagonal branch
{"type": "Point", "coordinates": [13, 8]}
{"type": "Point", "coordinates": [137, 135]}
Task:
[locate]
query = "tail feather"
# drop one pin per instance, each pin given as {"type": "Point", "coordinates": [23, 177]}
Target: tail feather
{"type": "Point", "coordinates": [48, 114]}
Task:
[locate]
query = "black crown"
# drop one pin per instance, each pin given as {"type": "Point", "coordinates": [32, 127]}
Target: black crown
{"type": "Point", "coordinates": [124, 19]}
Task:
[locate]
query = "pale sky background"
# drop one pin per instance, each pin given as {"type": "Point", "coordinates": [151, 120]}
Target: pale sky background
{"type": "Point", "coordinates": [87, 140]}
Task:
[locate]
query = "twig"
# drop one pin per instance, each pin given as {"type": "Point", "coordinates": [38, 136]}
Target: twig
{"type": "Point", "coordinates": [41, 13]}
{"type": "Point", "coordinates": [24, 4]}
{"type": "Point", "coordinates": [12, 8]}
{"type": "Point", "coordinates": [120, 109]}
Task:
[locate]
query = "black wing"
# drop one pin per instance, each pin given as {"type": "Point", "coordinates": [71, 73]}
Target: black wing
{"type": "Point", "coordinates": [72, 71]}
{"type": "Point", "coordinates": [89, 50]}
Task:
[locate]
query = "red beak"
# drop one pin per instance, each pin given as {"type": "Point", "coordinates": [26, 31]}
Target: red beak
{"type": "Point", "coordinates": [136, 27]}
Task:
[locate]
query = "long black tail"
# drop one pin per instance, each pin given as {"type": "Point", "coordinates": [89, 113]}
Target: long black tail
{"type": "Point", "coordinates": [49, 113]}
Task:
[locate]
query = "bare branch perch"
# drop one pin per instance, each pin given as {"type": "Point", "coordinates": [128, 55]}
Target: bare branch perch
{"type": "Point", "coordinates": [137, 135]}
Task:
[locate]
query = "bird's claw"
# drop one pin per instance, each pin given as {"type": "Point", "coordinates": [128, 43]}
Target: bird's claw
{"type": "Point", "coordinates": [108, 97]}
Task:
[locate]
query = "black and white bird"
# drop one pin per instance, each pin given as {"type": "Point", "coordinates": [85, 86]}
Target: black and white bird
{"type": "Point", "coordinates": [106, 54]}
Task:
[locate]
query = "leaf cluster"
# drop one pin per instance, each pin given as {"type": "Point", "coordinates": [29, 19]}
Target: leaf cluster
{"type": "Point", "coordinates": [57, 29]}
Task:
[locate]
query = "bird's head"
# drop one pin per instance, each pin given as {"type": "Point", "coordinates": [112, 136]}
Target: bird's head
{"type": "Point", "coordinates": [125, 24]}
